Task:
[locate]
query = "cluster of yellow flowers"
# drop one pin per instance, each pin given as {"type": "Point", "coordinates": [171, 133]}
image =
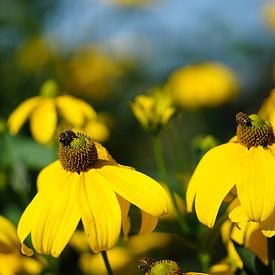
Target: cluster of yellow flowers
{"type": "Point", "coordinates": [87, 184]}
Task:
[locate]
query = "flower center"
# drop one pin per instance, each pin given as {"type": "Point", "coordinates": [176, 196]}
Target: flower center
{"type": "Point", "coordinates": [77, 152]}
{"type": "Point", "coordinates": [254, 131]}
{"type": "Point", "coordinates": [161, 267]}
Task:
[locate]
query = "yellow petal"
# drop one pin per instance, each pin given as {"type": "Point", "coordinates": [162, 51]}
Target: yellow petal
{"type": "Point", "coordinates": [148, 223]}
{"type": "Point", "coordinates": [214, 177]}
{"type": "Point", "coordinates": [256, 186]}
{"type": "Point", "coordinates": [256, 241]}
{"type": "Point", "coordinates": [50, 175]}
{"type": "Point", "coordinates": [43, 121]}
{"type": "Point", "coordinates": [26, 223]}
{"type": "Point", "coordinates": [238, 215]}
{"type": "Point", "coordinates": [74, 110]}
{"type": "Point", "coordinates": [125, 220]}
{"type": "Point", "coordinates": [56, 217]}
{"type": "Point", "coordinates": [268, 226]}
{"type": "Point", "coordinates": [137, 188]}
{"type": "Point", "coordinates": [100, 211]}
{"type": "Point", "coordinates": [21, 113]}
{"type": "Point", "coordinates": [8, 237]}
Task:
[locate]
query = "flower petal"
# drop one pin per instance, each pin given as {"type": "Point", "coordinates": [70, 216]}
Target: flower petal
{"type": "Point", "coordinates": [100, 211]}
{"type": "Point", "coordinates": [74, 110]}
{"type": "Point", "coordinates": [21, 113]}
{"type": "Point", "coordinates": [268, 226]}
{"type": "Point", "coordinates": [43, 121]}
{"type": "Point", "coordinates": [137, 188]}
{"type": "Point", "coordinates": [148, 223]}
{"type": "Point", "coordinates": [56, 217]}
{"type": "Point", "coordinates": [256, 186]}
{"type": "Point", "coordinates": [214, 177]}
{"type": "Point", "coordinates": [53, 171]}
{"type": "Point", "coordinates": [237, 215]}
{"type": "Point", "coordinates": [125, 220]}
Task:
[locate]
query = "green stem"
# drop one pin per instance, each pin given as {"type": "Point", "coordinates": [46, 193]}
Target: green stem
{"type": "Point", "coordinates": [271, 254]}
{"type": "Point", "coordinates": [163, 175]}
{"type": "Point", "coordinates": [106, 262]}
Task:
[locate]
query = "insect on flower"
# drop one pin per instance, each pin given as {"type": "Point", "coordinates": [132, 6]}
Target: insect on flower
{"type": "Point", "coordinates": [66, 137]}
{"type": "Point", "coordinates": [243, 119]}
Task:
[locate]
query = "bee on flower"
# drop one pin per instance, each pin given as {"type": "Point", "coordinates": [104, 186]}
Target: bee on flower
{"type": "Point", "coordinates": [87, 184]}
{"type": "Point", "coordinates": [245, 165]}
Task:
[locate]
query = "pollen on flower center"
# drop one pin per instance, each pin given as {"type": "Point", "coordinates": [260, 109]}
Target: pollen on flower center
{"type": "Point", "coordinates": [77, 152]}
{"type": "Point", "coordinates": [254, 131]}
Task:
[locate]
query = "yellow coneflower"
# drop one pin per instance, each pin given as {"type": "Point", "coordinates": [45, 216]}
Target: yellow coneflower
{"type": "Point", "coordinates": [86, 183]}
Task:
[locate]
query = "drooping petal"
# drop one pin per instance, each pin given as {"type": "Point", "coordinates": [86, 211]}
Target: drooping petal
{"type": "Point", "coordinates": [148, 223]}
{"type": "Point", "coordinates": [268, 226]}
{"type": "Point", "coordinates": [237, 214]}
{"type": "Point", "coordinates": [100, 211]}
{"type": "Point", "coordinates": [26, 223]}
{"type": "Point", "coordinates": [125, 220]}
{"type": "Point", "coordinates": [54, 172]}
{"type": "Point", "coordinates": [137, 188]}
{"type": "Point", "coordinates": [43, 121]}
{"type": "Point", "coordinates": [21, 113]}
{"type": "Point", "coordinates": [74, 110]}
{"type": "Point", "coordinates": [256, 186]}
{"type": "Point", "coordinates": [56, 217]}
{"type": "Point", "coordinates": [214, 177]}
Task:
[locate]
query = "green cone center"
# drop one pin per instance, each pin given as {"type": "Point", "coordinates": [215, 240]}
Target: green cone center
{"type": "Point", "coordinates": [253, 131]}
{"type": "Point", "coordinates": [77, 152]}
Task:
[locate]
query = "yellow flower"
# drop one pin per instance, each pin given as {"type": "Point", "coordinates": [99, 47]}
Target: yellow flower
{"type": "Point", "coordinates": [153, 111]}
{"type": "Point", "coordinates": [207, 84]}
{"type": "Point", "coordinates": [11, 260]}
{"type": "Point", "coordinates": [248, 164]}
{"type": "Point", "coordinates": [269, 15]}
{"type": "Point", "coordinates": [43, 111]}
{"type": "Point", "coordinates": [87, 184]}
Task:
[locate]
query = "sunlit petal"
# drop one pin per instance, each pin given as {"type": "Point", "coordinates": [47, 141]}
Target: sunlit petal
{"type": "Point", "coordinates": [21, 113]}
{"type": "Point", "coordinates": [57, 218]}
{"type": "Point", "coordinates": [148, 223]}
{"type": "Point", "coordinates": [256, 186]}
{"type": "Point", "coordinates": [74, 110]}
{"type": "Point", "coordinates": [54, 172]}
{"type": "Point", "coordinates": [214, 177]}
{"type": "Point", "coordinates": [43, 121]}
{"type": "Point", "coordinates": [100, 211]}
{"type": "Point", "coordinates": [137, 188]}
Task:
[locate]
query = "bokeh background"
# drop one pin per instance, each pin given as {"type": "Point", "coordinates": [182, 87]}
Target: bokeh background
{"type": "Point", "coordinates": [107, 52]}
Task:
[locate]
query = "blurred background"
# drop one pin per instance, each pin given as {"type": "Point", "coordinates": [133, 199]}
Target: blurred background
{"type": "Point", "coordinates": [107, 52]}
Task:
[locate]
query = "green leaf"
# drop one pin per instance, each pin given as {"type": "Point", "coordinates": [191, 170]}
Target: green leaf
{"type": "Point", "coordinates": [252, 264]}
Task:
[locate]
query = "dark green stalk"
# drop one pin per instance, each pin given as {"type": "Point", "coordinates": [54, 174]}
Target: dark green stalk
{"type": "Point", "coordinates": [106, 262]}
{"type": "Point", "coordinates": [163, 175]}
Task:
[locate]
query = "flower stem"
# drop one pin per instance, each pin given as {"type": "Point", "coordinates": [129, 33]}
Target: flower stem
{"type": "Point", "coordinates": [106, 262]}
{"type": "Point", "coordinates": [271, 254]}
{"type": "Point", "coordinates": [163, 175]}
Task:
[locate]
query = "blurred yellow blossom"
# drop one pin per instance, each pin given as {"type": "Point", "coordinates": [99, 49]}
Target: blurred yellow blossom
{"type": "Point", "coordinates": [12, 262]}
{"type": "Point", "coordinates": [129, 3]}
{"type": "Point", "coordinates": [44, 111]}
{"type": "Point", "coordinates": [35, 54]}
{"type": "Point", "coordinates": [247, 163]}
{"type": "Point", "coordinates": [269, 14]}
{"type": "Point", "coordinates": [207, 84]}
{"type": "Point", "coordinates": [153, 111]}
{"type": "Point", "coordinates": [93, 73]}
{"type": "Point", "coordinates": [86, 183]}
